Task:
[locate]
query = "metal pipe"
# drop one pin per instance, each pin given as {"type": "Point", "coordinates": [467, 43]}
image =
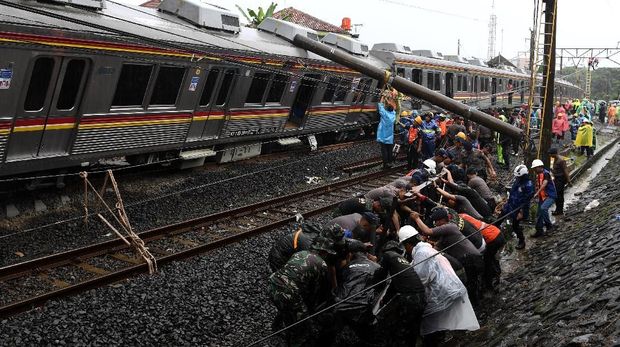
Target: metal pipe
{"type": "Point", "coordinates": [407, 87]}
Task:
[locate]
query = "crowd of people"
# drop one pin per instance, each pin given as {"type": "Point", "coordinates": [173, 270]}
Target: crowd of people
{"type": "Point", "coordinates": [415, 258]}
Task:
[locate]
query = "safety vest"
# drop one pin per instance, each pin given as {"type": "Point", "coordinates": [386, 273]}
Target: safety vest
{"type": "Point", "coordinates": [549, 190]}
{"type": "Point", "coordinates": [489, 231]}
{"type": "Point", "coordinates": [412, 135]}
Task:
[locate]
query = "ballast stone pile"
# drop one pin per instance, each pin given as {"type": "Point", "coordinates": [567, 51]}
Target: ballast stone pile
{"type": "Point", "coordinates": [567, 290]}
{"type": "Point", "coordinates": [213, 300]}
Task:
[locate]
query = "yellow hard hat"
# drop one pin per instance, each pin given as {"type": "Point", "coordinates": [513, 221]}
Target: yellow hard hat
{"type": "Point", "coordinates": [418, 120]}
{"type": "Point", "coordinates": [461, 135]}
{"type": "Point", "coordinates": [406, 113]}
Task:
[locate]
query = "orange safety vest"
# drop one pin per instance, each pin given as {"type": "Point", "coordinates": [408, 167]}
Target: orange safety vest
{"type": "Point", "coordinates": [540, 178]}
{"type": "Point", "coordinates": [444, 128]}
{"type": "Point", "coordinates": [413, 135]}
{"type": "Point", "coordinates": [489, 231]}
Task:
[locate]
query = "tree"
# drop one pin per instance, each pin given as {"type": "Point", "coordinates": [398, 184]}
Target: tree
{"type": "Point", "coordinates": [254, 18]}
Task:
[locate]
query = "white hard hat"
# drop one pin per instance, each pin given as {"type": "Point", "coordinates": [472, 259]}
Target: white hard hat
{"type": "Point", "coordinates": [520, 170]}
{"type": "Point", "coordinates": [430, 165]}
{"type": "Point", "coordinates": [537, 163]}
{"type": "Point", "coordinates": [406, 232]}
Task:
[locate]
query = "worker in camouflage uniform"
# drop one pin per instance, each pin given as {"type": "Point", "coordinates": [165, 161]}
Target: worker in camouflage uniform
{"type": "Point", "coordinates": [300, 286]}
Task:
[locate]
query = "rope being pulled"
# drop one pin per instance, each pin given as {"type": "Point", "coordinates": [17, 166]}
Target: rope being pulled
{"type": "Point", "coordinates": [131, 238]}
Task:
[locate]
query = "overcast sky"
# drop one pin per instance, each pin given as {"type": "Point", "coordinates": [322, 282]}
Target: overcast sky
{"type": "Point", "coordinates": [439, 24]}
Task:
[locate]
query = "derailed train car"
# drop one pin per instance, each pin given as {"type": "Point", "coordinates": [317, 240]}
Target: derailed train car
{"type": "Point", "coordinates": [76, 93]}
{"type": "Point", "coordinates": [83, 83]}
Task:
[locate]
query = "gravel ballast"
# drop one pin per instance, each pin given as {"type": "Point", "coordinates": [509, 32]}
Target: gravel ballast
{"type": "Point", "coordinates": [222, 188]}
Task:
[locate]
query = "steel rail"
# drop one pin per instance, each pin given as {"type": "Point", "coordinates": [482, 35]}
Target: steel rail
{"type": "Point", "coordinates": [32, 267]}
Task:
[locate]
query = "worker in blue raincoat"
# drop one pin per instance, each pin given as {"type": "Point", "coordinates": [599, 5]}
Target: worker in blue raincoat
{"type": "Point", "coordinates": [430, 133]}
{"type": "Point", "coordinates": [385, 130]}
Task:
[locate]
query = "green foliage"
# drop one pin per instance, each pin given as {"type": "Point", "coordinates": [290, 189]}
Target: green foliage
{"type": "Point", "coordinates": [255, 18]}
{"type": "Point", "coordinates": [605, 81]}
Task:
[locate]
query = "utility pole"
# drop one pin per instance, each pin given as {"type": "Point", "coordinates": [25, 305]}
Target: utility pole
{"type": "Point", "coordinates": [548, 80]}
{"type": "Point", "coordinates": [532, 47]}
{"type": "Point", "coordinates": [458, 47]}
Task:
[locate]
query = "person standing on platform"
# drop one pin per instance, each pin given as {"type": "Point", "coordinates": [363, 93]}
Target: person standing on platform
{"type": "Point", "coordinates": [561, 178]}
{"type": "Point", "coordinates": [385, 130]}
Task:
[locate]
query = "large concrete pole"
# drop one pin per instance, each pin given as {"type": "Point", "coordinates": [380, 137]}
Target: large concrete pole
{"type": "Point", "coordinates": [407, 87]}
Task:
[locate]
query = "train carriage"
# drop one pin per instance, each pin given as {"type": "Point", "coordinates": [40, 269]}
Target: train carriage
{"type": "Point", "coordinates": [80, 93]}
{"type": "Point", "coordinates": [83, 83]}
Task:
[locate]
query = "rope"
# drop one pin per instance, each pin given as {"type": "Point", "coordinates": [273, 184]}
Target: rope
{"type": "Point", "coordinates": [123, 221]}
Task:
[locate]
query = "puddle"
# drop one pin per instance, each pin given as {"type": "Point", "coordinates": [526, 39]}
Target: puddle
{"type": "Point", "coordinates": [583, 182]}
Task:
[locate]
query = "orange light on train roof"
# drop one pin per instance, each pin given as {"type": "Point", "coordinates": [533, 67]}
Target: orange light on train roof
{"type": "Point", "coordinates": [346, 23]}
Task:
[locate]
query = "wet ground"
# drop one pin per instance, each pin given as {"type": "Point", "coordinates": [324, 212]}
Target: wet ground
{"type": "Point", "coordinates": [564, 289]}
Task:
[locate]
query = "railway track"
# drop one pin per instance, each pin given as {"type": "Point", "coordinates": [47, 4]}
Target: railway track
{"type": "Point", "coordinates": [30, 284]}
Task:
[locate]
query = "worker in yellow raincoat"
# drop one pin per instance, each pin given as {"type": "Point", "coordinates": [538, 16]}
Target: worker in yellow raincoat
{"type": "Point", "coordinates": [586, 141]}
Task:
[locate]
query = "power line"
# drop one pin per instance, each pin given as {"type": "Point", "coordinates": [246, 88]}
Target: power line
{"type": "Point", "coordinates": [432, 10]}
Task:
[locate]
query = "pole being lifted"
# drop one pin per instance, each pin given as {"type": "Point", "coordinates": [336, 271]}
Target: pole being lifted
{"type": "Point", "coordinates": [407, 87]}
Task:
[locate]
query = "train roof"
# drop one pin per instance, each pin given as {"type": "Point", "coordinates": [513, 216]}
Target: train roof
{"type": "Point", "coordinates": [150, 22]}
{"type": "Point", "coordinates": [402, 59]}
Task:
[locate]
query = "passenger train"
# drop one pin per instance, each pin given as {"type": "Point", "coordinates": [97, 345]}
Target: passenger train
{"type": "Point", "coordinates": [84, 80]}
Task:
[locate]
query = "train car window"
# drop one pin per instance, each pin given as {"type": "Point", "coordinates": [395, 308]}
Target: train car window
{"type": "Point", "coordinates": [70, 84]}
{"type": "Point", "coordinates": [416, 76]}
{"type": "Point", "coordinates": [167, 85]}
{"type": "Point", "coordinates": [400, 72]}
{"type": "Point", "coordinates": [366, 89]}
{"type": "Point", "coordinates": [464, 84]}
{"type": "Point", "coordinates": [342, 90]}
{"type": "Point", "coordinates": [361, 90]}
{"type": "Point", "coordinates": [132, 84]}
{"type": "Point", "coordinates": [459, 82]}
{"type": "Point", "coordinates": [429, 81]}
{"type": "Point", "coordinates": [475, 84]}
{"type": "Point", "coordinates": [207, 91]}
{"type": "Point", "coordinates": [330, 89]}
{"type": "Point", "coordinates": [258, 88]}
{"type": "Point", "coordinates": [437, 81]}
{"type": "Point", "coordinates": [39, 84]}
{"type": "Point", "coordinates": [227, 83]}
{"type": "Point", "coordinates": [375, 92]}
{"type": "Point", "coordinates": [277, 88]}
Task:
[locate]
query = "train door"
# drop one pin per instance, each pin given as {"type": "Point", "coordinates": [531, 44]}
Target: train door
{"type": "Point", "coordinates": [44, 126]}
{"type": "Point", "coordinates": [450, 84]}
{"type": "Point", "coordinates": [211, 111]}
{"type": "Point", "coordinates": [302, 101]}
{"type": "Point", "coordinates": [493, 91]}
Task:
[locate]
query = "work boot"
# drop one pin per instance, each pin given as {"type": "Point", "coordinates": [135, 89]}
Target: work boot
{"type": "Point", "coordinates": [520, 245]}
{"type": "Point", "coordinates": [539, 233]}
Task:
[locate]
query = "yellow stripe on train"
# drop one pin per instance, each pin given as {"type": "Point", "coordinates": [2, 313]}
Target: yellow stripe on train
{"type": "Point", "coordinates": [130, 124]}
